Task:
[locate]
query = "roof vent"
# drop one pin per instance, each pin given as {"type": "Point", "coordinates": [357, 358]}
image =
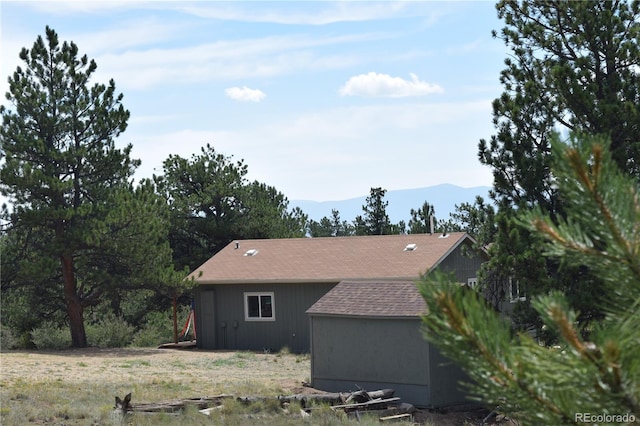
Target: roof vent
{"type": "Point", "coordinates": [411, 247]}
{"type": "Point", "coordinates": [251, 252]}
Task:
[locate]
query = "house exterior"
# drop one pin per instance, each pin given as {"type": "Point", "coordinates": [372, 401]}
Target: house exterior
{"type": "Point", "coordinates": [254, 294]}
{"type": "Point", "coordinates": [367, 334]}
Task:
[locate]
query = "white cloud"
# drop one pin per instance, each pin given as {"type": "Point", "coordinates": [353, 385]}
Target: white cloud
{"type": "Point", "coordinates": [226, 60]}
{"type": "Point", "coordinates": [384, 85]}
{"type": "Point", "coordinates": [245, 94]}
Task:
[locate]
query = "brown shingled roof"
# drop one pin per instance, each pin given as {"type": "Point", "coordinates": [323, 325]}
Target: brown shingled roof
{"type": "Point", "coordinates": [371, 299]}
{"type": "Point", "coordinates": [330, 259]}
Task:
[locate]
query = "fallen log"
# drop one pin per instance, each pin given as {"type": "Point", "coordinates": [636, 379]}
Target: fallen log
{"type": "Point", "coordinates": [253, 399]}
{"type": "Point", "coordinates": [380, 402]}
{"type": "Point", "coordinates": [390, 410]}
{"type": "Point", "coordinates": [397, 408]}
{"type": "Point", "coordinates": [364, 396]}
{"type": "Point", "coordinates": [125, 405]}
{"type": "Point", "coordinates": [306, 400]}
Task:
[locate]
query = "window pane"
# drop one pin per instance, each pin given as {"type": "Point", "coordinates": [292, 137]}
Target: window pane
{"type": "Point", "coordinates": [514, 290]}
{"type": "Point", "coordinates": [253, 307]}
{"type": "Point", "coordinates": [265, 305]}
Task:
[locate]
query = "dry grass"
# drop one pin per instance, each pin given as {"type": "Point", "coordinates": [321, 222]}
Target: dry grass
{"type": "Point", "coordinates": [78, 387]}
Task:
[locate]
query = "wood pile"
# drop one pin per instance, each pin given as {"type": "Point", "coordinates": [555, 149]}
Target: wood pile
{"type": "Point", "coordinates": [380, 403]}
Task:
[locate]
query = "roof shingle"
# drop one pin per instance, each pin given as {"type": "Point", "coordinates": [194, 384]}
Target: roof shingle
{"type": "Point", "coordinates": [331, 259]}
{"type": "Point", "coordinates": [371, 299]}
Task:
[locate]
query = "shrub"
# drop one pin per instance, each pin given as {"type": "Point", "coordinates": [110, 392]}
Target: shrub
{"type": "Point", "coordinates": [110, 332]}
{"type": "Point", "coordinates": [158, 328]}
{"type": "Point", "coordinates": [7, 339]}
{"type": "Point", "coordinates": [51, 336]}
{"type": "Point", "coordinates": [149, 336]}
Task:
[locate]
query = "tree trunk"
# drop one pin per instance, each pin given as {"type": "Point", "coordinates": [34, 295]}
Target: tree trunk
{"type": "Point", "coordinates": [75, 309]}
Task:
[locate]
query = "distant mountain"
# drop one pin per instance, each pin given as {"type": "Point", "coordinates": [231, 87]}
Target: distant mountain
{"type": "Point", "coordinates": [443, 198]}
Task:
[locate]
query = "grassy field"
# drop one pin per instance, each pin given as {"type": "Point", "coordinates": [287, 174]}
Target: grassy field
{"type": "Point", "coordinates": [78, 387]}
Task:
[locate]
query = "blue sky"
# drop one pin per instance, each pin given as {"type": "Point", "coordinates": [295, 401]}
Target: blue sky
{"type": "Point", "coordinates": [323, 100]}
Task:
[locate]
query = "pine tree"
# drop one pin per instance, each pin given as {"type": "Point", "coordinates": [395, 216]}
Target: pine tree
{"type": "Point", "coordinates": [573, 66]}
{"type": "Point", "coordinates": [330, 227]}
{"type": "Point", "coordinates": [593, 375]}
{"type": "Point", "coordinates": [212, 203]}
{"type": "Point", "coordinates": [376, 220]}
{"type": "Point", "coordinates": [423, 220]}
{"type": "Point", "coordinates": [72, 200]}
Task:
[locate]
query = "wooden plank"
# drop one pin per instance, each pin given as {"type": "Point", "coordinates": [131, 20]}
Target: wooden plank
{"type": "Point", "coordinates": [180, 345]}
{"type": "Point", "coordinates": [364, 396]}
{"type": "Point", "coordinates": [366, 404]}
{"type": "Point", "coordinates": [396, 417]}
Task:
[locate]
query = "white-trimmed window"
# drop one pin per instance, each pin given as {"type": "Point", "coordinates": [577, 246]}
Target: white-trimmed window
{"type": "Point", "coordinates": [514, 292]}
{"type": "Point", "coordinates": [259, 306]}
{"type": "Point", "coordinates": [472, 283]}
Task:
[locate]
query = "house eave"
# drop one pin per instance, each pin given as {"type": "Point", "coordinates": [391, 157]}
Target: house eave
{"type": "Point", "coordinates": [300, 280]}
{"type": "Point", "coordinates": [373, 316]}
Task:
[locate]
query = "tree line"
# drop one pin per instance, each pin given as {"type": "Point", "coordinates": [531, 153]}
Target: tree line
{"type": "Point", "coordinates": [477, 219]}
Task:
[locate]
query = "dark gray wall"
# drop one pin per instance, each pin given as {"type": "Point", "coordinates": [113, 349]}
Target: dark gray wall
{"type": "Point", "coordinates": [206, 337]}
{"type": "Point", "coordinates": [220, 316]}
{"type": "Point", "coordinates": [446, 379]}
{"type": "Point", "coordinates": [348, 352]}
{"type": "Point", "coordinates": [377, 353]}
{"type": "Point", "coordinates": [464, 262]}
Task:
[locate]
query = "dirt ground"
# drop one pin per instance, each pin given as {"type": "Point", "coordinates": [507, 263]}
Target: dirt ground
{"type": "Point", "coordinates": [207, 372]}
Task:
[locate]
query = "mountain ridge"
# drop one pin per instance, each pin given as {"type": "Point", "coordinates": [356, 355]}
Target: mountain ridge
{"type": "Point", "coordinates": [443, 197]}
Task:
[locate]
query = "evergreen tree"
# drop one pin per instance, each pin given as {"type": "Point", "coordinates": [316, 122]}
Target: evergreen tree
{"type": "Point", "coordinates": [477, 220]}
{"type": "Point", "coordinates": [375, 220]}
{"type": "Point", "coordinates": [423, 220]}
{"type": "Point", "coordinates": [331, 227]}
{"type": "Point", "coordinates": [598, 374]}
{"type": "Point", "coordinates": [205, 203]}
{"type": "Point", "coordinates": [267, 214]}
{"type": "Point", "coordinates": [573, 66]}
{"type": "Point", "coordinates": [212, 203]}
{"type": "Point", "coordinates": [69, 185]}
{"type": "Point", "coordinates": [323, 228]}
{"type": "Point", "coordinates": [341, 228]}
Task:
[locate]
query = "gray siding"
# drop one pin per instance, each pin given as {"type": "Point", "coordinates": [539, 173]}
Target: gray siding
{"type": "Point", "coordinates": [464, 262]}
{"type": "Point", "coordinates": [377, 353]}
{"type": "Point", "coordinates": [446, 379]}
{"type": "Point", "coordinates": [208, 338]}
{"type": "Point", "coordinates": [348, 352]}
{"type": "Point", "coordinates": [221, 321]}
